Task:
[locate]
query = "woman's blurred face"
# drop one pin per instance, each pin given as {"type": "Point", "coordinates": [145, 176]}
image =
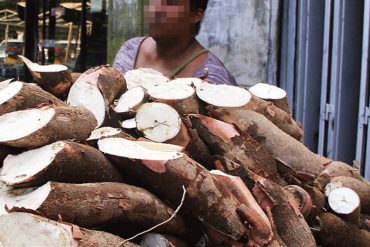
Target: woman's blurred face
{"type": "Point", "coordinates": [169, 18]}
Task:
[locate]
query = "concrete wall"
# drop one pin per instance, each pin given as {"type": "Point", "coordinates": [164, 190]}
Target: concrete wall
{"type": "Point", "coordinates": [242, 33]}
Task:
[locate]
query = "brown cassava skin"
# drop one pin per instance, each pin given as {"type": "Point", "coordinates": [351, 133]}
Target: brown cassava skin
{"type": "Point", "coordinates": [197, 149]}
{"type": "Point", "coordinates": [92, 238]}
{"type": "Point", "coordinates": [318, 201]}
{"type": "Point", "coordinates": [272, 198]}
{"type": "Point", "coordinates": [75, 163]}
{"type": "Point", "coordinates": [205, 197]}
{"type": "Point", "coordinates": [337, 169]}
{"type": "Point", "coordinates": [182, 138]}
{"type": "Point", "coordinates": [75, 76]}
{"type": "Point", "coordinates": [109, 80]}
{"type": "Point", "coordinates": [302, 198]}
{"type": "Point", "coordinates": [281, 104]}
{"type": "Point", "coordinates": [333, 231]}
{"type": "Point", "coordinates": [68, 123]}
{"type": "Point", "coordinates": [280, 118]}
{"type": "Point", "coordinates": [30, 96]}
{"type": "Point", "coordinates": [56, 83]}
{"type": "Point", "coordinates": [242, 149]}
{"type": "Point", "coordinates": [188, 105]}
{"type": "Point", "coordinates": [261, 232]}
{"type": "Point", "coordinates": [291, 225]}
{"type": "Point", "coordinates": [361, 188]}
{"type": "Point", "coordinates": [297, 159]}
{"type": "Point", "coordinates": [98, 204]}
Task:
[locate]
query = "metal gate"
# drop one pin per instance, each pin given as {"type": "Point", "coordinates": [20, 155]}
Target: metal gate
{"type": "Point", "coordinates": [325, 70]}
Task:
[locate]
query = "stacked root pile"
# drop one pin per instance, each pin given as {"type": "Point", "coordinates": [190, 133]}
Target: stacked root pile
{"type": "Point", "coordinates": [140, 160]}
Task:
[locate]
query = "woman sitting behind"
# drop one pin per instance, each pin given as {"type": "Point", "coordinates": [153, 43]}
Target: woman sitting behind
{"type": "Point", "coordinates": [172, 48]}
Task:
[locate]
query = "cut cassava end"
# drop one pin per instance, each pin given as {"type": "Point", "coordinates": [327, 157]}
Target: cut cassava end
{"type": "Point", "coordinates": [346, 203]}
{"type": "Point", "coordinates": [96, 89]}
{"type": "Point", "coordinates": [129, 124]}
{"type": "Point", "coordinates": [5, 83]}
{"type": "Point", "coordinates": [63, 161]}
{"type": "Point", "coordinates": [54, 78]}
{"type": "Point", "coordinates": [362, 188]}
{"type": "Point", "coordinates": [27, 229]}
{"type": "Point", "coordinates": [182, 97]}
{"type": "Point", "coordinates": [271, 93]}
{"type": "Point", "coordinates": [190, 81]}
{"type": "Point", "coordinates": [109, 80]}
{"type": "Point", "coordinates": [238, 100]}
{"type": "Point", "coordinates": [139, 149]}
{"type": "Point", "coordinates": [18, 96]}
{"type": "Point", "coordinates": [131, 100]}
{"type": "Point", "coordinates": [223, 95]}
{"type": "Point", "coordinates": [144, 77]}
{"type": "Point", "coordinates": [158, 122]}
{"type": "Point", "coordinates": [88, 95]}
{"type": "Point", "coordinates": [45, 125]}
{"type": "Point", "coordinates": [103, 132]}
{"type": "Point", "coordinates": [97, 204]}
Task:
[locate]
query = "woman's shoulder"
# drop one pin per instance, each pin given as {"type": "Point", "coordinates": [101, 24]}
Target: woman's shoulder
{"type": "Point", "coordinates": [126, 56]}
{"type": "Point", "coordinates": [217, 72]}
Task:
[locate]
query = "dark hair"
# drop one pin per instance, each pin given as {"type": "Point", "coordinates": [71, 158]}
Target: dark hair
{"type": "Point", "coordinates": [198, 4]}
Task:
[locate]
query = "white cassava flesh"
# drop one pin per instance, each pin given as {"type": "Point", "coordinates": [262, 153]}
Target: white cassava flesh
{"type": "Point", "coordinates": [21, 167]}
{"type": "Point", "coordinates": [25, 229]}
{"type": "Point", "coordinates": [129, 124]}
{"type": "Point", "coordinates": [43, 68]}
{"type": "Point", "coordinates": [5, 83]}
{"type": "Point", "coordinates": [158, 122]}
{"type": "Point", "coordinates": [129, 100]}
{"type": "Point", "coordinates": [343, 200]}
{"type": "Point", "coordinates": [30, 198]}
{"type": "Point", "coordinates": [223, 95]}
{"type": "Point", "coordinates": [10, 91]}
{"type": "Point", "coordinates": [16, 125]}
{"type": "Point", "coordinates": [138, 149]}
{"type": "Point", "coordinates": [190, 81]}
{"type": "Point", "coordinates": [144, 77]}
{"type": "Point", "coordinates": [171, 90]}
{"type": "Point", "coordinates": [88, 95]}
{"type": "Point", "coordinates": [267, 91]}
{"type": "Point", "coordinates": [103, 132]}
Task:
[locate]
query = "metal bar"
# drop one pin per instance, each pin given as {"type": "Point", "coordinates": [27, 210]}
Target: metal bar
{"type": "Point", "coordinates": [288, 48]}
{"type": "Point", "coordinates": [51, 31]}
{"type": "Point", "coordinates": [43, 30]}
{"type": "Point", "coordinates": [31, 27]}
{"type": "Point", "coordinates": [83, 51]}
{"type": "Point", "coordinates": [363, 155]}
{"type": "Point", "coordinates": [325, 76]}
